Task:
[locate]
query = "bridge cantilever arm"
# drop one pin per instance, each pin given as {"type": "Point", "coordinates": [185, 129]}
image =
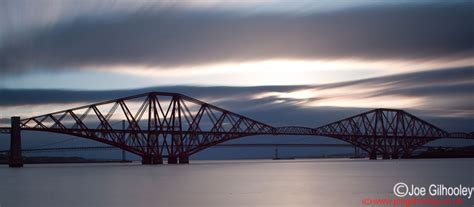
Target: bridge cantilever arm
{"type": "Point", "coordinates": [171, 127]}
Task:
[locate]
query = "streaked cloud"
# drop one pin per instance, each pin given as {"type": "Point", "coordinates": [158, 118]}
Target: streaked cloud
{"type": "Point", "coordinates": [282, 62]}
{"type": "Point", "coordinates": [172, 37]}
{"type": "Point", "coordinates": [260, 73]}
{"type": "Point", "coordinates": [20, 16]}
{"type": "Point", "coordinates": [440, 93]}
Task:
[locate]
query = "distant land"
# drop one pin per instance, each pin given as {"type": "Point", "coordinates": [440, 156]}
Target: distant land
{"type": "Point", "coordinates": [462, 152]}
{"type": "Point", "coordinates": [51, 159]}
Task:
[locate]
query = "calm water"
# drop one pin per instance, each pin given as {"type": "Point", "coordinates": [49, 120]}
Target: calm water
{"type": "Point", "coordinates": [338, 183]}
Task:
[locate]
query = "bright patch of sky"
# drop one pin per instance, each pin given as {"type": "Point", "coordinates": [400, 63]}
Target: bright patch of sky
{"type": "Point", "coordinates": [271, 72]}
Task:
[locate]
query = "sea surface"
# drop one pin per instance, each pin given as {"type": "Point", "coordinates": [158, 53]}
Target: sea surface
{"type": "Point", "coordinates": [306, 183]}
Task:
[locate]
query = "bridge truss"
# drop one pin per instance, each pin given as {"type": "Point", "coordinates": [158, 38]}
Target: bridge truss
{"type": "Point", "coordinates": [173, 125]}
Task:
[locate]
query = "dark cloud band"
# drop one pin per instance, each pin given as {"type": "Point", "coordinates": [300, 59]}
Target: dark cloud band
{"type": "Point", "coordinates": [445, 89]}
{"type": "Point", "coordinates": [180, 37]}
{"type": "Point", "coordinates": [446, 92]}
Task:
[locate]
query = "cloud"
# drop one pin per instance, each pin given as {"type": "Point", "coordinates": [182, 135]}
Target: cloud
{"type": "Point", "coordinates": [439, 93]}
{"type": "Point", "coordinates": [446, 96]}
{"type": "Point", "coordinates": [15, 97]}
{"type": "Point", "coordinates": [183, 37]}
{"type": "Point", "coordinates": [5, 121]}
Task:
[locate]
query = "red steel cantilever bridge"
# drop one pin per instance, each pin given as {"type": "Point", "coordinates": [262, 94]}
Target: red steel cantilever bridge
{"type": "Point", "coordinates": [159, 124]}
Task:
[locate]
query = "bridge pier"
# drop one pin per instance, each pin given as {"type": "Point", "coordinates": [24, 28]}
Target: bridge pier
{"type": "Point", "coordinates": [183, 159]}
{"type": "Point", "coordinates": [373, 155]}
{"type": "Point", "coordinates": [172, 159]}
{"type": "Point", "coordinates": [15, 159]}
{"type": "Point", "coordinates": [152, 160]}
{"type": "Point", "coordinates": [407, 153]}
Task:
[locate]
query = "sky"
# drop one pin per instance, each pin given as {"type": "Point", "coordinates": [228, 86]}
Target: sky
{"type": "Point", "coordinates": [282, 62]}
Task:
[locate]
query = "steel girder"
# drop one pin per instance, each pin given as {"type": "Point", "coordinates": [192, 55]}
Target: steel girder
{"type": "Point", "coordinates": [161, 124]}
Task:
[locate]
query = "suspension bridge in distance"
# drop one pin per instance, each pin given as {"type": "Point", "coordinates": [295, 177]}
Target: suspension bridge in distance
{"type": "Point", "coordinates": [176, 126]}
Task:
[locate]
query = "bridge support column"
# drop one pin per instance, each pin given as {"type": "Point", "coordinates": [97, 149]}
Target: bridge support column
{"type": "Point", "coordinates": [406, 153]}
{"type": "Point", "coordinates": [152, 160]}
{"type": "Point", "coordinates": [172, 159]}
{"type": "Point", "coordinates": [373, 155]}
{"type": "Point", "coordinates": [183, 159]}
{"type": "Point", "coordinates": [15, 159]}
{"type": "Point", "coordinates": [146, 160]}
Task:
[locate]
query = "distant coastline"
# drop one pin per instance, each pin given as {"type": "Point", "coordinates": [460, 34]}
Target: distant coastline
{"type": "Point", "coordinates": [463, 152]}
{"type": "Point", "coordinates": [60, 160]}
